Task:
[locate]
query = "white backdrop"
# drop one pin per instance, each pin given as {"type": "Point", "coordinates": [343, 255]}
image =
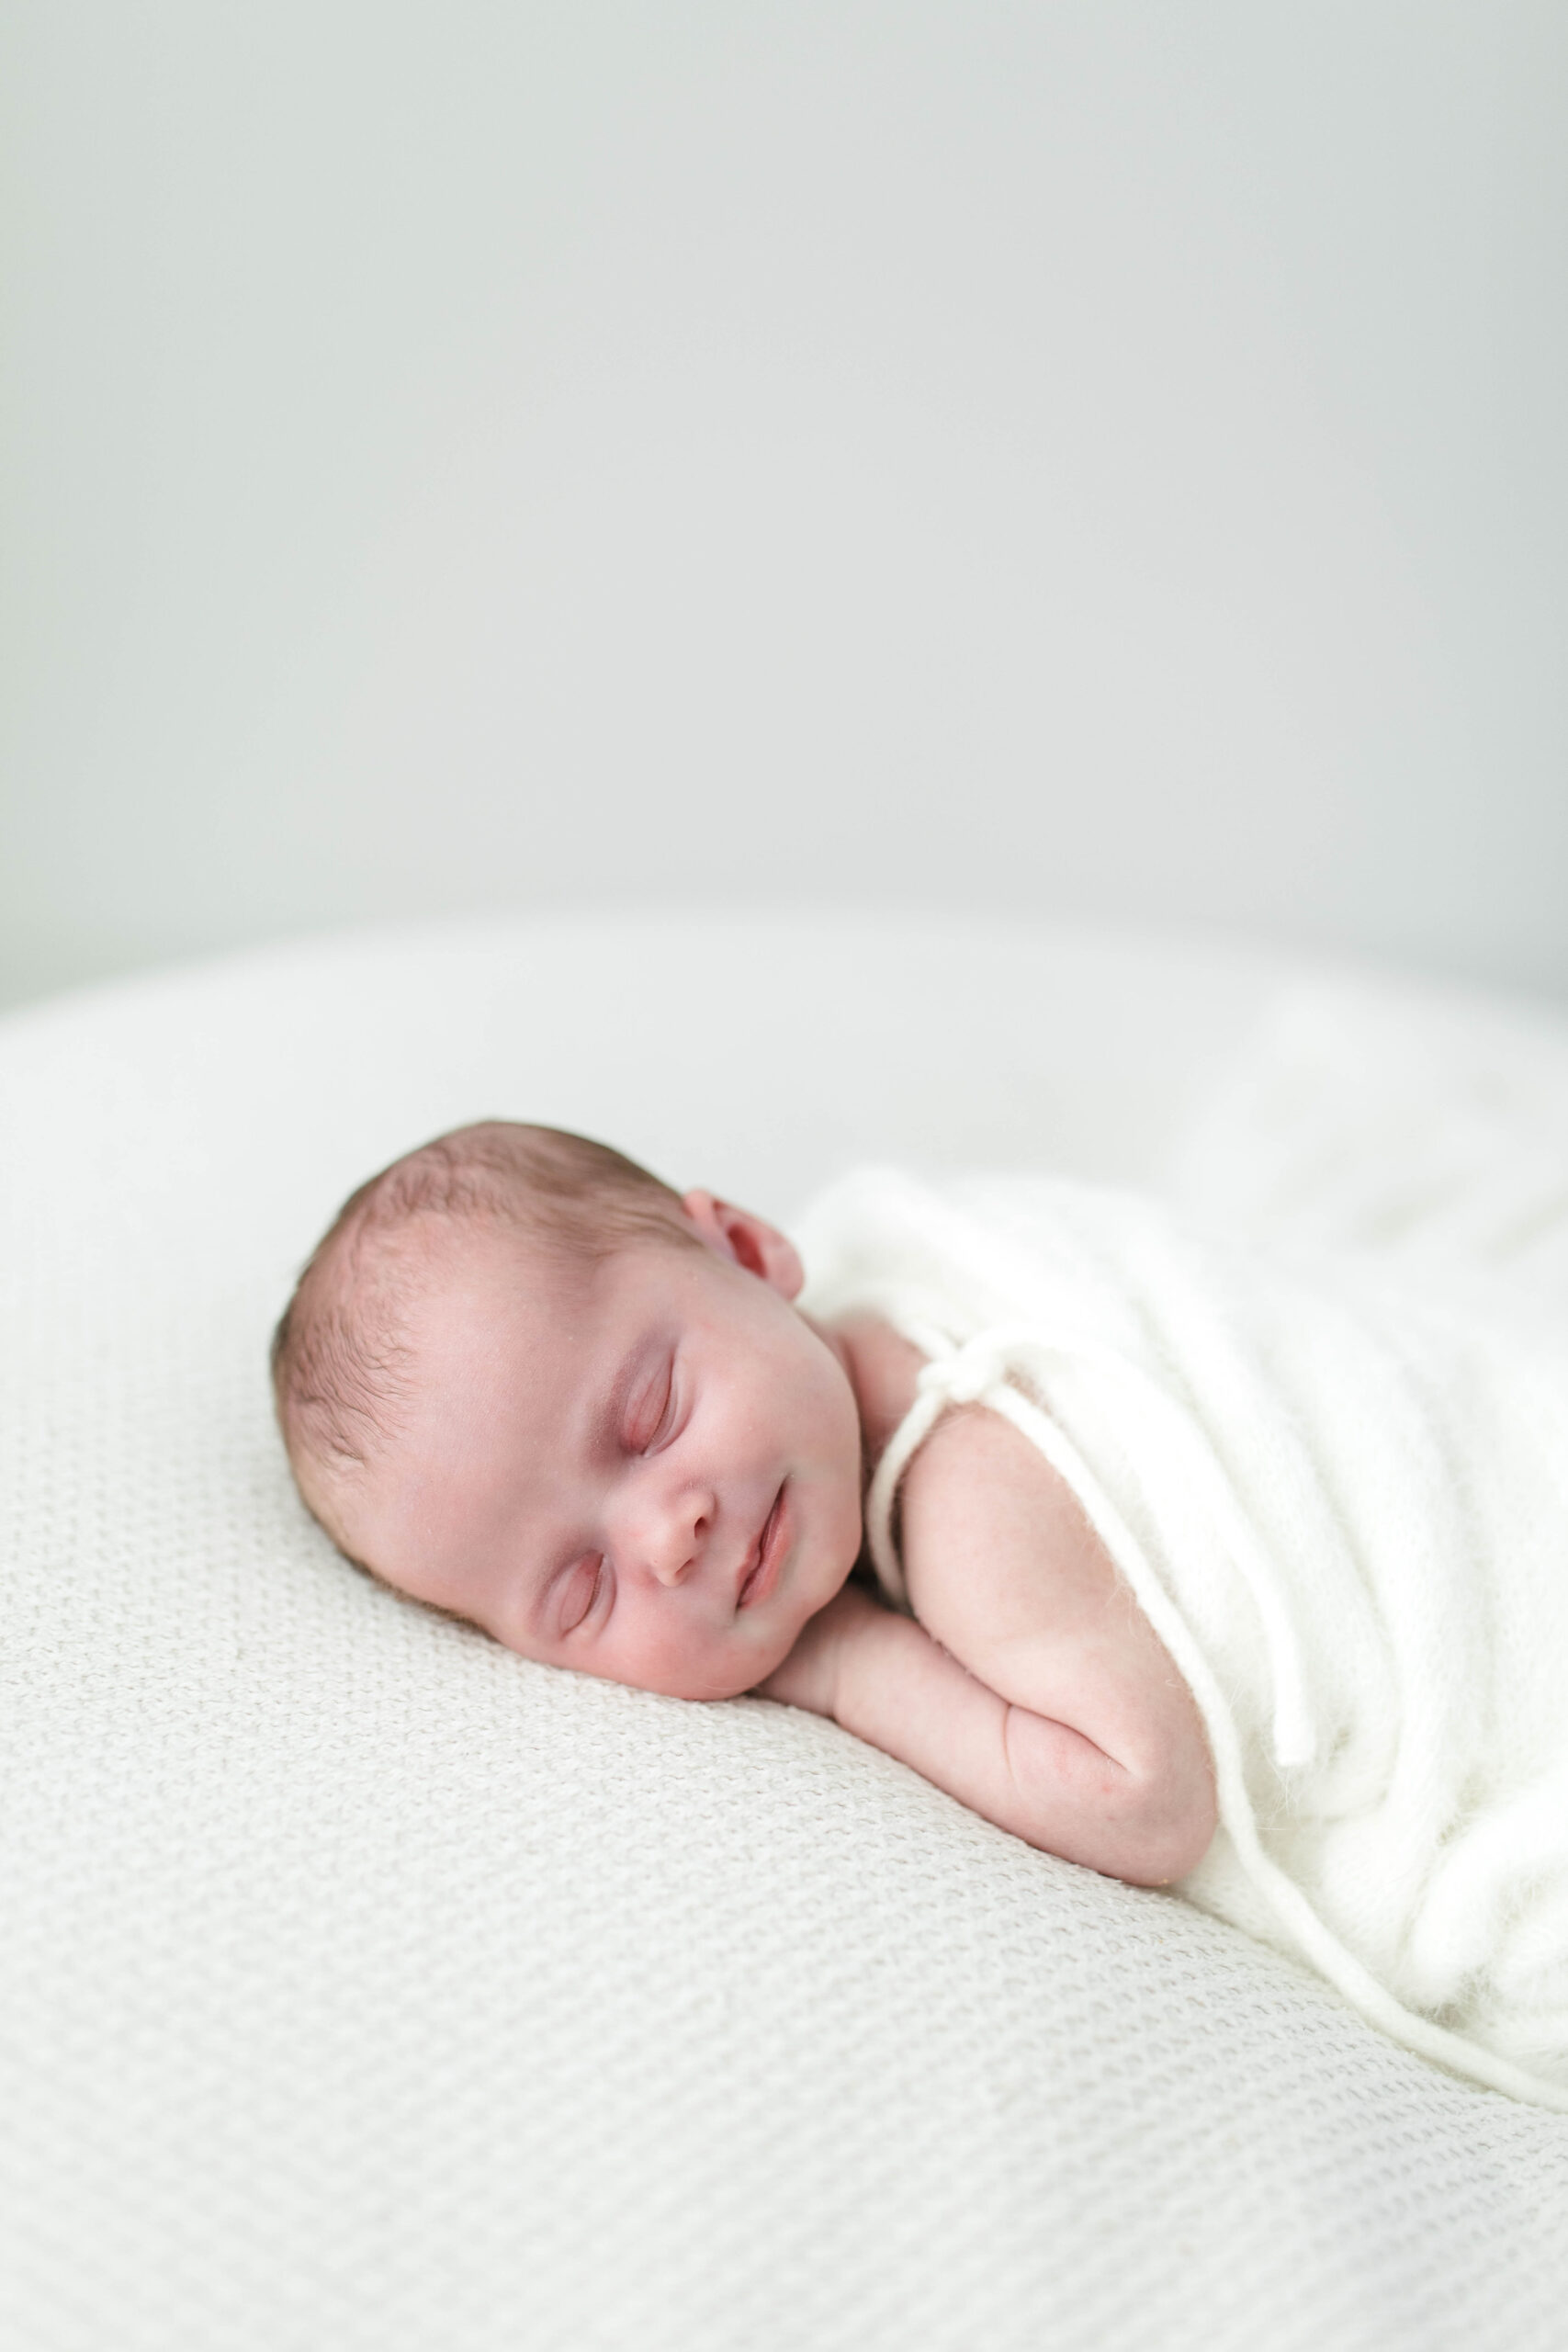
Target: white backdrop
{"type": "Point", "coordinates": [1056, 456]}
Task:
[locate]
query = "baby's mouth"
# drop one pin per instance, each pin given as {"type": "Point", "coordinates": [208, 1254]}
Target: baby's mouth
{"type": "Point", "coordinates": [764, 1561]}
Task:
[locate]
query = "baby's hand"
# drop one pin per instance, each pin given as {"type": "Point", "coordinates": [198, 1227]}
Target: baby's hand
{"type": "Point", "coordinates": [809, 1675]}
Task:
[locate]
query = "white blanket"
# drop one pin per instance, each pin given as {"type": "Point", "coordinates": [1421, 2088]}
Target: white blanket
{"type": "Point", "coordinates": [1342, 1498]}
{"type": "Point", "coordinates": [366, 1986]}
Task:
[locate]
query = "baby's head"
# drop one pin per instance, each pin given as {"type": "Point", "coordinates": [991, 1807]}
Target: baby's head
{"type": "Point", "coordinates": [525, 1381]}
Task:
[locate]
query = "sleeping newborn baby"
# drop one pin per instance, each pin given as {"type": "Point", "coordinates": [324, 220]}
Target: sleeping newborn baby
{"type": "Point", "coordinates": [526, 1382]}
{"type": "Point", "coordinates": [1195, 1566]}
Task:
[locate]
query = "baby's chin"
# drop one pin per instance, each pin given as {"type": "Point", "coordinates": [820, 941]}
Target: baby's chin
{"type": "Point", "coordinates": [729, 1672]}
{"type": "Point", "coordinates": [716, 1678]}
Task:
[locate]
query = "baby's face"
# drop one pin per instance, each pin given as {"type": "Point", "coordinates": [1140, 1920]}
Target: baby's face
{"type": "Point", "coordinates": [649, 1469]}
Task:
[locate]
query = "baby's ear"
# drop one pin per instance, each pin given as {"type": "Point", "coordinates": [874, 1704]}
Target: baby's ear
{"type": "Point", "coordinates": [747, 1240]}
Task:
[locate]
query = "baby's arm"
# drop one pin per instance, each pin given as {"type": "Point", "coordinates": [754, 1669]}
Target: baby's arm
{"type": "Point", "coordinates": [1033, 1689]}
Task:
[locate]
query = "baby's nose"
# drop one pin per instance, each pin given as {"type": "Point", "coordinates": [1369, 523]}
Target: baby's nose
{"type": "Point", "coordinates": [674, 1540]}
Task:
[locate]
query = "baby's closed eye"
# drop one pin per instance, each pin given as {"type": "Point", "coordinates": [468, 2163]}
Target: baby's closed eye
{"type": "Point", "coordinates": [654, 1413]}
{"type": "Point", "coordinates": [579, 1591]}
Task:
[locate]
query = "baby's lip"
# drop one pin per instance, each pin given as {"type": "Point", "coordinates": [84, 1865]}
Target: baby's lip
{"type": "Point", "coordinates": [759, 1568]}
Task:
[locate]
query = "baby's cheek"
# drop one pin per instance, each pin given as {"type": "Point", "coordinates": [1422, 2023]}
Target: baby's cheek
{"type": "Point", "coordinates": [674, 1659]}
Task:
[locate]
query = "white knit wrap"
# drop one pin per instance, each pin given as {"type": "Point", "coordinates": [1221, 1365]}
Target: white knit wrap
{"type": "Point", "coordinates": [1344, 1511]}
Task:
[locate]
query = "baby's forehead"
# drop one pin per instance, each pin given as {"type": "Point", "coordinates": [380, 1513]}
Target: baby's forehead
{"type": "Point", "coordinates": [477, 1267]}
{"type": "Point", "coordinates": [489, 1275]}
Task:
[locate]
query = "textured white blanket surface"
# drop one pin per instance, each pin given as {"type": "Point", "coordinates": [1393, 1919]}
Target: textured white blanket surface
{"type": "Point", "coordinates": [365, 1985]}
